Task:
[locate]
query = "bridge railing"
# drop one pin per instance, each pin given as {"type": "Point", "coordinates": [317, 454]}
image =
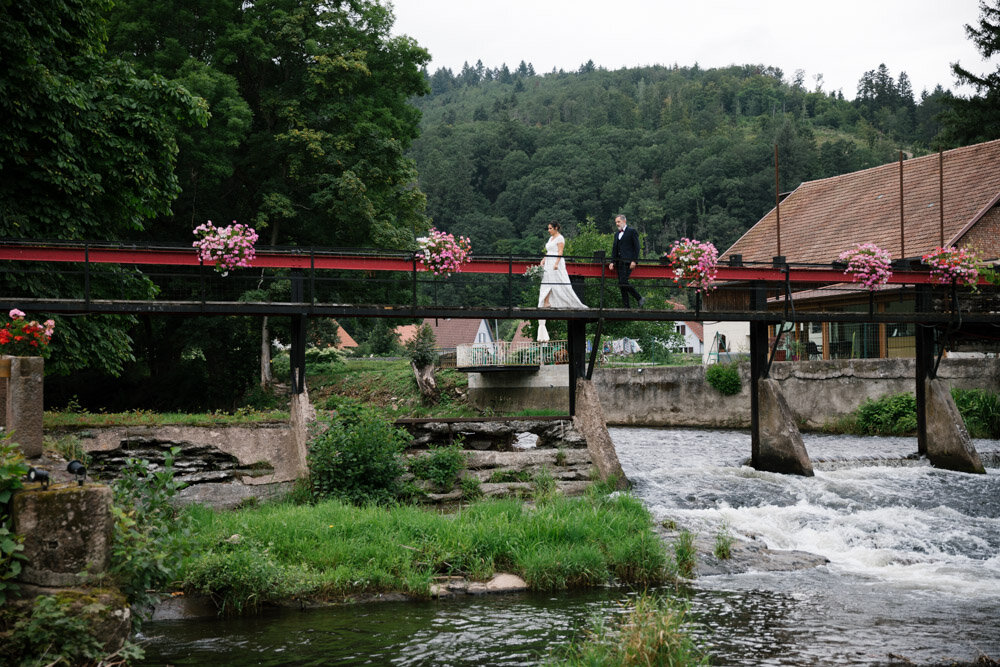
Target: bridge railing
{"type": "Point", "coordinates": [511, 354]}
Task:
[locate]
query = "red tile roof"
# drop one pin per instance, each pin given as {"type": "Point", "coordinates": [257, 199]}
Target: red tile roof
{"type": "Point", "coordinates": [344, 339]}
{"type": "Point", "coordinates": [449, 333]}
{"type": "Point", "coordinates": [820, 219]}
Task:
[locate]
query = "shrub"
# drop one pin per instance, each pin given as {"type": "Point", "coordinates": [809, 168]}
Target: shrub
{"type": "Point", "coordinates": [980, 411]}
{"type": "Point", "coordinates": [239, 580]}
{"type": "Point", "coordinates": [894, 414]}
{"type": "Point", "coordinates": [61, 631]}
{"type": "Point", "coordinates": [151, 538]}
{"type": "Point", "coordinates": [319, 358]}
{"type": "Point", "coordinates": [725, 378]}
{"type": "Point", "coordinates": [12, 471]}
{"type": "Point", "coordinates": [440, 466]}
{"type": "Point", "coordinates": [359, 461]}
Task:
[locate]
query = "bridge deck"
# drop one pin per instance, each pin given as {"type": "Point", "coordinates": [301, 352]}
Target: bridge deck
{"type": "Point", "coordinates": [358, 283]}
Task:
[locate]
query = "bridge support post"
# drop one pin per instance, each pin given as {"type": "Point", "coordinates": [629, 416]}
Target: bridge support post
{"type": "Point", "coordinates": [776, 443]}
{"type": "Point", "coordinates": [577, 352]}
{"type": "Point", "coordinates": [758, 368]}
{"type": "Point", "coordinates": [924, 353]}
{"type": "Point", "coordinates": [297, 355]}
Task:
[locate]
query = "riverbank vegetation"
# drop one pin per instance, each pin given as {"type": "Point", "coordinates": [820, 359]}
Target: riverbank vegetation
{"type": "Point", "coordinates": [896, 414]}
{"type": "Point", "coordinates": [252, 557]}
{"type": "Point", "coordinates": [652, 632]}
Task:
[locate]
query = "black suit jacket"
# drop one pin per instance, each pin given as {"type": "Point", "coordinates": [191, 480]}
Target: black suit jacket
{"type": "Point", "coordinates": [628, 247]}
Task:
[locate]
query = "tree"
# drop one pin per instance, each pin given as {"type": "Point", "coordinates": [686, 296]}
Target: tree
{"type": "Point", "coordinates": [325, 90]}
{"type": "Point", "coordinates": [976, 118]}
{"type": "Point", "coordinates": [87, 150]}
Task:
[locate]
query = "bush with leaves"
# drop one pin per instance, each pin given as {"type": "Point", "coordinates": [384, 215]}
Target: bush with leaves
{"type": "Point", "coordinates": [440, 466]}
{"type": "Point", "coordinates": [980, 410]}
{"type": "Point", "coordinates": [893, 414]}
{"type": "Point", "coordinates": [151, 538]}
{"type": "Point", "coordinates": [725, 378]}
{"type": "Point", "coordinates": [12, 471]}
{"type": "Point", "coordinates": [359, 461]}
{"type": "Point", "coordinates": [60, 630]}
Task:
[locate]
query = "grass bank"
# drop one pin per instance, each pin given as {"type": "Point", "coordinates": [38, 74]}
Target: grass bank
{"type": "Point", "coordinates": [334, 551]}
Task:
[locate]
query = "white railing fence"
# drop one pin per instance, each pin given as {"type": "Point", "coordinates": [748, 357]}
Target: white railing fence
{"type": "Point", "coordinates": [504, 353]}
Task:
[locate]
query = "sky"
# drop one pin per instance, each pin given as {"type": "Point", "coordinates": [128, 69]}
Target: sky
{"type": "Point", "coordinates": [839, 40]}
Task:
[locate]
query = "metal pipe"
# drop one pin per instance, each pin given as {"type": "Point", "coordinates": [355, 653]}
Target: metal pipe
{"type": "Point", "coordinates": [902, 242]}
{"type": "Point", "coordinates": [777, 200]}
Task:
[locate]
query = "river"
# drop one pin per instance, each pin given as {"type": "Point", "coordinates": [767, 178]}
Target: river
{"type": "Point", "coordinates": [913, 571]}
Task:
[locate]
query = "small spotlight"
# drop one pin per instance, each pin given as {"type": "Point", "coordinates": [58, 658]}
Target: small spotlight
{"type": "Point", "coordinates": [40, 476]}
{"type": "Point", "coordinates": [78, 470]}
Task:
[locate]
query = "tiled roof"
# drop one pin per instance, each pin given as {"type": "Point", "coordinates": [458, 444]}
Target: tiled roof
{"type": "Point", "coordinates": [820, 219]}
{"type": "Point", "coordinates": [519, 335]}
{"type": "Point", "coordinates": [698, 329]}
{"type": "Point", "coordinates": [449, 333]}
{"type": "Point", "coordinates": [344, 339]}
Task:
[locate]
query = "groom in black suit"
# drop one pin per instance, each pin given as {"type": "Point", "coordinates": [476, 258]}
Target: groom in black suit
{"type": "Point", "coordinates": [625, 253]}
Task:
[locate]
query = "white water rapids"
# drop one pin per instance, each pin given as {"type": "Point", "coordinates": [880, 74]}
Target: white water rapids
{"type": "Point", "coordinates": [914, 552]}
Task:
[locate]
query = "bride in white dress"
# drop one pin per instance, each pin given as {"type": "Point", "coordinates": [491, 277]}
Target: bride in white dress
{"type": "Point", "coordinates": [556, 290]}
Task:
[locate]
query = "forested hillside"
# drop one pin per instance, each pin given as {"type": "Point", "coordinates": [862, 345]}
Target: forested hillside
{"type": "Point", "coordinates": [682, 151]}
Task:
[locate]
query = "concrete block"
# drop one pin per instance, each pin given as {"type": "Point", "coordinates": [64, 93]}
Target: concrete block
{"type": "Point", "coordinates": [781, 446]}
{"type": "Point", "coordinates": [67, 529]}
{"type": "Point", "coordinates": [24, 404]}
{"type": "Point", "coordinates": [948, 442]}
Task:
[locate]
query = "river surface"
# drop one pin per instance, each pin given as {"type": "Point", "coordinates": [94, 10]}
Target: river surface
{"type": "Point", "coordinates": [913, 572]}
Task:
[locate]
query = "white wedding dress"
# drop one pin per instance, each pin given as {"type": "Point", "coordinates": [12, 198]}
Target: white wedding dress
{"type": "Point", "coordinates": [555, 284]}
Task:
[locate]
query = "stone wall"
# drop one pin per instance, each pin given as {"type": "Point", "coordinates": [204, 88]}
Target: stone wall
{"type": "Point", "coordinates": [817, 391]}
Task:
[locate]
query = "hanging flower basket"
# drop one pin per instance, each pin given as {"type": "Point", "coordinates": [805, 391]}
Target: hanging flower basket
{"type": "Point", "coordinates": [442, 253]}
{"type": "Point", "coordinates": [953, 266]}
{"type": "Point", "coordinates": [227, 247]}
{"type": "Point", "coordinates": [868, 264]}
{"type": "Point", "coordinates": [23, 338]}
{"type": "Point", "coordinates": [694, 264]}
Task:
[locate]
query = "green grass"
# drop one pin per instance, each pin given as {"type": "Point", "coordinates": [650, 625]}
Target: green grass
{"type": "Point", "coordinates": [652, 632]}
{"type": "Point", "coordinates": [334, 551]}
{"type": "Point", "coordinates": [55, 419]}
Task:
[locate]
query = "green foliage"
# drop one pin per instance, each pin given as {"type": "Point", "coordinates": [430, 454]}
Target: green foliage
{"type": "Point", "coordinates": [359, 461]}
{"type": "Point", "coordinates": [61, 630]}
{"type": "Point", "coordinates": [723, 543]}
{"type": "Point", "coordinates": [471, 487]}
{"type": "Point", "coordinates": [980, 410]}
{"type": "Point", "coordinates": [685, 554]}
{"type": "Point", "coordinates": [151, 538]}
{"type": "Point", "coordinates": [422, 348]}
{"type": "Point", "coordinates": [544, 484]}
{"type": "Point", "coordinates": [239, 580]}
{"type": "Point", "coordinates": [326, 549]}
{"type": "Point", "coordinates": [12, 472]}
{"type": "Point", "coordinates": [440, 466]}
{"type": "Point", "coordinates": [87, 151]}
{"type": "Point", "coordinates": [894, 414]}
{"type": "Point", "coordinates": [725, 378]}
{"type": "Point", "coordinates": [653, 632]}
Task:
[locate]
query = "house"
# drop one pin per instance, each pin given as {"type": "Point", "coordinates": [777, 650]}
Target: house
{"type": "Point", "coordinates": [820, 219]}
{"type": "Point", "coordinates": [693, 333]}
{"type": "Point", "coordinates": [344, 339]}
{"type": "Point", "coordinates": [449, 333]}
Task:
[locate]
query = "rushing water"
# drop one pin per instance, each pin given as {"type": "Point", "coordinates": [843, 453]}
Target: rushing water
{"type": "Point", "coordinates": [913, 572]}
